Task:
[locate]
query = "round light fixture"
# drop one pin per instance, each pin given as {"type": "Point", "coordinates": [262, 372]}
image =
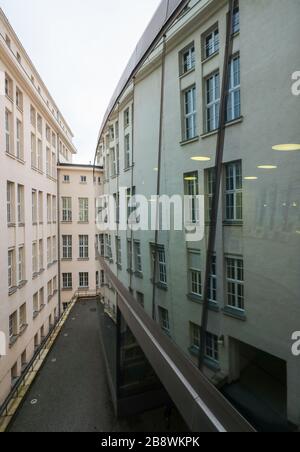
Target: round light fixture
{"type": "Point", "coordinates": [286, 147]}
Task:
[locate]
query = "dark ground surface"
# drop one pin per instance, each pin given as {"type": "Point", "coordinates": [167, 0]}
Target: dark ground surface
{"type": "Point", "coordinates": [71, 389]}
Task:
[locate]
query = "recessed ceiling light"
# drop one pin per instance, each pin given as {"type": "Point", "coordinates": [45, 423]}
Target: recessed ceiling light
{"type": "Point", "coordinates": [267, 167]}
{"type": "Point", "coordinates": [191, 178]}
{"type": "Point", "coordinates": [250, 178]}
{"type": "Point", "coordinates": [286, 147]}
{"type": "Point", "coordinates": [201, 159]}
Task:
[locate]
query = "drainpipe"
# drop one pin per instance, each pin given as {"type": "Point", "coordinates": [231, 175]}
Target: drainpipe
{"type": "Point", "coordinates": [217, 184]}
{"type": "Point", "coordinates": [58, 231]}
{"type": "Point", "coordinates": [162, 95]}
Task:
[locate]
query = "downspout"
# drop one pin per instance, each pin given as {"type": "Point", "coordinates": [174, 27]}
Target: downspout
{"type": "Point", "coordinates": [58, 231]}
{"type": "Point", "coordinates": [217, 184]}
{"type": "Point", "coordinates": [160, 142]}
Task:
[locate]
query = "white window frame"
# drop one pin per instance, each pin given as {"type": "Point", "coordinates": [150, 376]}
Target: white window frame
{"type": "Point", "coordinates": [127, 150]}
{"type": "Point", "coordinates": [21, 264]}
{"type": "Point", "coordinates": [164, 319]}
{"type": "Point", "coordinates": [19, 140]}
{"type": "Point", "coordinates": [8, 141]}
{"type": "Point", "coordinates": [83, 210]}
{"type": "Point", "coordinates": [66, 210]}
{"type": "Point", "coordinates": [67, 247]}
{"type": "Point", "coordinates": [83, 247]}
{"type": "Point", "coordinates": [83, 280]}
{"type": "Point", "coordinates": [235, 284]}
{"type": "Point", "coordinates": [234, 191]}
{"type": "Point", "coordinates": [190, 113]}
{"type": "Point", "coordinates": [195, 275]}
{"type": "Point", "coordinates": [188, 59]}
{"type": "Point", "coordinates": [191, 189]}
{"type": "Point", "coordinates": [138, 256]}
{"type": "Point", "coordinates": [233, 110]}
{"type": "Point", "coordinates": [67, 281]}
{"type": "Point", "coordinates": [212, 94]}
{"type": "Point", "coordinates": [212, 43]}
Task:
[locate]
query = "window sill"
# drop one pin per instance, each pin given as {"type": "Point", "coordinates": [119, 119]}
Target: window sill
{"type": "Point", "coordinates": [35, 275]}
{"type": "Point", "coordinates": [119, 267]}
{"type": "Point", "coordinates": [42, 307]}
{"type": "Point", "coordinates": [11, 225]}
{"type": "Point", "coordinates": [83, 259]}
{"type": "Point", "coordinates": [21, 225]}
{"type": "Point", "coordinates": [162, 286]}
{"type": "Point", "coordinates": [139, 275]}
{"type": "Point", "coordinates": [67, 222]}
{"type": "Point", "coordinates": [35, 314]}
{"type": "Point", "coordinates": [23, 328]}
{"type": "Point", "coordinates": [67, 289]}
{"type": "Point", "coordinates": [130, 271]}
{"type": "Point", "coordinates": [83, 288]}
{"type": "Point", "coordinates": [210, 57]}
{"type": "Point", "coordinates": [198, 299]}
{"type": "Point", "coordinates": [128, 169]}
{"type": "Point", "coordinates": [67, 259]}
{"type": "Point", "coordinates": [185, 74]}
{"type": "Point", "coordinates": [189, 141]}
{"type": "Point", "coordinates": [83, 222]}
{"type": "Point", "coordinates": [12, 291]}
{"type": "Point", "coordinates": [228, 124]}
{"type": "Point", "coordinates": [22, 284]}
{"type": "Point", "coordinates": [235, 313]}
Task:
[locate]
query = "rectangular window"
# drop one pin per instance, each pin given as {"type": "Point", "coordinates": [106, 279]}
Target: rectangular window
{"type": "Point", "coordinates": [13, 326]}
{"type": "Point", "coordinates": [34, 258]}
{"type": "Point", "coordinates": [195, 336]}
{"type": "Point", "coordinates": [212, 347]}
{"type": "Point", "coordinates": [127, 151]}
{"type": "Point", "coordinates": [67, 281]}
{"type": "Point", "coordinates": [33, 116]}
{"type": "Point", "coordinates": [236, 17]}
{"type": "Point", "coordinates": [33, 152]}
{"type": "Point", "coordinates": [41, 207]}
{"type": "Point", "coordinates": [54, 249]}
{"type": "Point", "coordinates": [129, 255]}
{"type": "Point", "coordinates": [19, 141]}
{"type": "Point", "coordinates": [83, 179]}
{"type": "Point", "coordinates": [113, 162]}
{"type": "Point", "coordinates": [190, 114]}
{"type": "Point", "coordinates": [11, 269]}
{"type": "Point", "coordinates": [210, 179]}
{"type": "Point", "coordinates": [212, 102]}
{"type": "Point", "coordinates": [164, 320]}
{"type": "Point", "coordinates": [212, 43]}
{"type": "Point", "coordinates": [21, 265]}
{"type": "Point", "coordinates": [19, 99]}
{"type": "Point", "coordinates": [138, 257]}
{"type": "Point", "coordinates": [83, 247]}
{"type": "Point", "coordinates": [41, 254]}
{"type": "Point", "coordinates": [234, 192]}
{"type": "Point", "coordinates": [67, 210]}
{"type": "Point", "coordinates": [83, 210]}
{"type": "Point", "coordinates": [195, 273]}
{"type": "Point", "coordinates": [161, 266]}
{"type": "Point", "coordinates": [34, 207]}
{"type": "Point", "coordinates": [188, 59]}
{"type": "Point", "coordinates": [234, 91]}
{"type": "Point", "coordinates": [8, 86]}
{"type": "Point", "coordinates": [191, 191]}
{"type": "Point", "coordinates": [83, 280]}
{"type": "Point", "coordinates": [20, 204]}
{"type": "Point", "coordinates": [40, 124]}
{"type": "Point", "coordinates": [212, 295]}
{"type": "Point", "coordinates": [48, 133]}
{"type": "Point", "coordinates": [40, 155]}
{"type": "Point", "coordinates": [54, 165]}
{"type": "Point", "coordinates": [10, 189]}
{"type": "Point", "coordinates": [48, 162]}
{"type": "Point", "coordinates": [66, 179]}
{"type": "Point", "coordinates": [126, 118]}
{"type": "Point", "coordinates": [23, 316]}
{"type": "Point", "coordinates": [49, 208]}
{"type": "Point", "coordinates": [49, 251]}
{"type": "Point", "coordinates": [235, 283]}
{"type": "Point", "coordinates": [67, 247]}
{"type": "Point", "coordinates": [54, 209]}
{"type": "Point", "coordinates": [108, 250]}
{"type": "Point", "coordinates": [49, 290]}
{"type": "Point", "coordinates": [119, 251]}
{"type": "Point", "coordinates": [8, 132]}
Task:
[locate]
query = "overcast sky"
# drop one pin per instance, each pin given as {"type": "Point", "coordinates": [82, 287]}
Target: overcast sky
{"type": "Point", "coordinates": [80, 48]}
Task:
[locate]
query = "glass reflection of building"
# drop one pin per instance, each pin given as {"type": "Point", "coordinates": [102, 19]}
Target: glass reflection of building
{"type": "Point", "coordinates": [255, 275]}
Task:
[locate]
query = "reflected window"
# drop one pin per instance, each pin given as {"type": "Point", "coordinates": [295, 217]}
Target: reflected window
{"type": "Point", "coordinates": [233, 110]}
{"type": "Point", "coordinates": [235, 283]}
{"type": "Point", "coordinates": [234, 192]}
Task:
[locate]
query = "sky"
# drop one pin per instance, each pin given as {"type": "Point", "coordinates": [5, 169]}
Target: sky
{"type": "Point", "coordinates": [80, 48]}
